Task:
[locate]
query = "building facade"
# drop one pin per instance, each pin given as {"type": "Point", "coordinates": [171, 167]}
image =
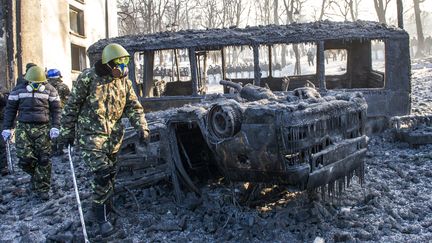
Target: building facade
{"type": "Point", "coordinates": [52, 34]}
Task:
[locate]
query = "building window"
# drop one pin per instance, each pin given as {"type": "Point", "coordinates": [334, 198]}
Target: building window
{"type": "Point", "coordinates": [76, 20]}
{"type": "Point", "coordinates": [78, 57]}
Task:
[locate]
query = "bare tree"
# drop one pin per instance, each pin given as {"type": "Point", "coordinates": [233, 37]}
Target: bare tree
{"type": "Point", "coordinates": [147, 13]}
{"type": "Point", "coordinates": [325, 4]}
{"type": "Point", "coordinates": [381, 9]}
{"type": "Point", "coordinates": [419, 27]}
{"type": "Point", "coordinates": [128, 17]}
{"type": "Point", "coordinates": [211, 14]}
{"type": "Point", "coordinates": [354, 6]}
{"type": "Point", "coordinates": [177, 12]}
{"type": "Point", "coordinates": [275, 11]}
{"type": "Point", "coordinates": [149, 16]}
{"type": "Point", "coordinates": [232, 12]}
{"type": "Point", "coordinates": [342, 7]}
{"type": "Point", "coordinates": [141, 16]}
{"type": "Point", "coordinates": [264, 10]}
{"type": "Point", "coordinates": [191, 14]}
{"type": "Point", "coordinates": [231, 16]}
{"type": "Point", "coordinates": [239, 8]}
{"type": "Point", "coordinates": [347, 8]}
{"type": "Point", "coordinates": [159, 15]}
{"type": "Point", "coordinates": [400, 13]}
{"type": "Point", "coordinates": [293, 7]}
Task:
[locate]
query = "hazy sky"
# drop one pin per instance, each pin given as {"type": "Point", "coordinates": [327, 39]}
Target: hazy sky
{"type": "Point", "coordinates": [367, 10]}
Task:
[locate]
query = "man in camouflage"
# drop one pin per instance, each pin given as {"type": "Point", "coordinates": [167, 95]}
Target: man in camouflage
{"type": "Point", "coordinates": [99, 98]}
{"type": "Point", "coordinates": [38, 106]}
{"type": "Point", "coordinates": [54, 78]}
{"type": "Point", "coordinates": [3, 101]}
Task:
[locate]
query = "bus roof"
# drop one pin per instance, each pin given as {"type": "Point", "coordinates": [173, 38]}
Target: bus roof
{"type": "Point", "coordinates": [256, 35]}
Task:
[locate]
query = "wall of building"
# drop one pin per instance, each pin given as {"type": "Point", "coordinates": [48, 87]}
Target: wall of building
{"type": "Point", "coordinates": [32, 34]}
{"type": "Point", "coordinates": [94, 24]}
{"type": "Point", "coordinates": [2, 62]}
{"type": "Point", "coordinates": [46, 37]}
{"type": "Point", "coordinates": [55, 29]}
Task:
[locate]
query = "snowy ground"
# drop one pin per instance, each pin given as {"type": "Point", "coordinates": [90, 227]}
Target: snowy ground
{"type": "Point", "coordinates": [394, 204]}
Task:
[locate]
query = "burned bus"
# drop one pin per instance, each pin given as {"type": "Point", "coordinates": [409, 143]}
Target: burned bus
{"type": "Point", "coordinates": [285, 104]}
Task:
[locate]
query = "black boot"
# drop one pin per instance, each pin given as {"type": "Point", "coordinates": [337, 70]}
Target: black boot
{"type": "Point", "coordinates": [105, 227]}
{"type": "Point", "coordinates": [112, 210]}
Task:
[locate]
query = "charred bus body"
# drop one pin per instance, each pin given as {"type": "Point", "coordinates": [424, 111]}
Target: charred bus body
{"type": "Point", "coordinates": [263, 125]}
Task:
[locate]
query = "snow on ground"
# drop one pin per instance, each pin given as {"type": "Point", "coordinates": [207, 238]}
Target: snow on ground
{"type": "Point", "coordinates": [421, 86]}
{"type": "Point", "coordinates": [394, 204]}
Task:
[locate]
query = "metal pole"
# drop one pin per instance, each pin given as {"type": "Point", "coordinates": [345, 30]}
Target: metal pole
{"type": "Point", "coordinates": [320, 68]}
{"type": "Point", "coordinates": [77, 196]}
{"type": "Point", "coordinates": [9, 158]}
{"type": "Point", "coordinates": [257, 69]}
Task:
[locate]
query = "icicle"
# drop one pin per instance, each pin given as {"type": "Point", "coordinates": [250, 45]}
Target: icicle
{"type": "Point", "coordinates": [348, 179]}
{"type": "Point", "coordinates": [323, 189]}
{"type": "Point", "coordinates": [341, 183]}
{"type": "Point", "coordinates": [361, 174]}
{"type": "Point", "coordinates": [333, 189]}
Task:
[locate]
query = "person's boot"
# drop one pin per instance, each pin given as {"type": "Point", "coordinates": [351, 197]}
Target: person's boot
{"type": "Point", "coordinates": [105, 227]}
{"type": "Point", "coordinates": [90, 215]}
{"type": "Point", "coordinates": [112, 210]}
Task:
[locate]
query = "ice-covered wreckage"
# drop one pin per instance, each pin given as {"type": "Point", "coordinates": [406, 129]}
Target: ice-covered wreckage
{"type": "Point", "coordinates": [412, 129]}
{"type": "Point", "coordinates": [272, 128]}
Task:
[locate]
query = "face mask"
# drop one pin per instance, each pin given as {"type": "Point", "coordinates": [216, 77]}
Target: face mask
{"type": "Point", "coordinates": [120, 69]}
{"type": "Point", "coordinates": [33, 87]}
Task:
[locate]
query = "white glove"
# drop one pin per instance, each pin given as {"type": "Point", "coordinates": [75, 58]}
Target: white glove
{"type": "Point", "coordinates": [54, 133]}
{"type": "Point", "coordinates": [6, 134]}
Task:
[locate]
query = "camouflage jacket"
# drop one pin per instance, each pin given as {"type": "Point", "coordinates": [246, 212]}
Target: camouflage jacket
{"type": "Point", "coordinates": [62, 89]}
{"type": "Point", "coordinates": [96, 106]}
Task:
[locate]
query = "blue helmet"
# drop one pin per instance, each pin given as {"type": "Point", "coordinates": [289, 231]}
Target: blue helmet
{"type": "Point", "coordinates": [54, 73]}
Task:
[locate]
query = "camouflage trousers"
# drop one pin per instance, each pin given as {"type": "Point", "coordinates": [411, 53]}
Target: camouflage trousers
{"type": "Point", "coordinates": [33, 148]}
{"type": "Point", "coordinates": [103, 166]}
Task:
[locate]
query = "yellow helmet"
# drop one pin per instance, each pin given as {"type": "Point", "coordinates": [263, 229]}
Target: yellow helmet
{"type": "Point", "coordinates": [35, 74]}
{"type": "Point", "coordinates": [113, 51]}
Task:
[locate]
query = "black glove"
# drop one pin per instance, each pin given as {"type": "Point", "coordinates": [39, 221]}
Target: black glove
{"type": "Point", "coordinates": [70, 141]}
{"type": "Point", "coordinates": [144, 136]}
{"type": "Point", "coordinates": [64, 142]}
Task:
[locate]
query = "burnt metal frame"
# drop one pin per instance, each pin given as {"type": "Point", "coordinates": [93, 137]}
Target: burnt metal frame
{"type": "Point", "coordinates": [393, 99]}
{"type": "Point", "coordinates": [320, 68]}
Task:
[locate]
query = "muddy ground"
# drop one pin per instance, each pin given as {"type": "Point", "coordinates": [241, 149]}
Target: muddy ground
{"type": "Point", "coordinates": [394, 204]}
